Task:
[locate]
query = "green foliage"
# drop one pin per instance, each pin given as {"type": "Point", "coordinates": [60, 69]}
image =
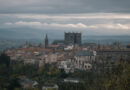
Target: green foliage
{"type": "Point", "coordinates": [4, 59]}
{"type": "Point", "coordinates": [117, 78]}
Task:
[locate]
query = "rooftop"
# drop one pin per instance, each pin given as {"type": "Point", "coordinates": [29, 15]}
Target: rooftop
{"type": "Point", "coordinates": [84, 53]}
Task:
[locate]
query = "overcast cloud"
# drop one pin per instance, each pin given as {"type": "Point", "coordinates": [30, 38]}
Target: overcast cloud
{"type": "Point", "coordinates": [102, 17]}
{"type": "Point", "coordinates": [63, 6]}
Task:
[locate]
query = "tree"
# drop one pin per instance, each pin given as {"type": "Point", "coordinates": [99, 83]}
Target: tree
{"type": "Point", "coordinates": [4, 59]}
{"type": "Point", "coordinates": [119, 77]}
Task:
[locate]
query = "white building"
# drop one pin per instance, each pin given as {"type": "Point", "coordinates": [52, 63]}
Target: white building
{"type": "Point", "coordinates": [71, 80]}
{"type": "Point", "coordinates": [69, 47]}
{"type": "Point", "coordinates": [84, 59]}
{"type": "Point", "coordinates": [50, 87]}
{"type": "Point", "coordinates": [67, 65]}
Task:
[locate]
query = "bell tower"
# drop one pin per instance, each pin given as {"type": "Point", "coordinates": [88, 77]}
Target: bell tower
{"type": "Point", "coordinates": [46, 41]}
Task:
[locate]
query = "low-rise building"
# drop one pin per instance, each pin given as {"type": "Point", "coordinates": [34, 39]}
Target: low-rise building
{"type": "Point", "coordinates": [67, 65]}
{"type": "Point", "coordinates": [51, 58]}
{"type": "Point", "coordinates": [69, 47]}
{"type": "Point", "coordinates": [27, 83]}
{"type": "Point", "coordinates": [71, 80]}
{"type": "Point", "coordinates": [50, 86]}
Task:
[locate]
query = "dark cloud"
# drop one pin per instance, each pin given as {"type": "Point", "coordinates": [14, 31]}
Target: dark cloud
{"type": "Point", "coordinates": [103, 17]}
{"type": "Point", "coordinates": [63, 6]}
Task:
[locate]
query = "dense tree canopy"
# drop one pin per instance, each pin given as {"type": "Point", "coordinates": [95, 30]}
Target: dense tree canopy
{"type": "Point", "coordinates": [116, 78]}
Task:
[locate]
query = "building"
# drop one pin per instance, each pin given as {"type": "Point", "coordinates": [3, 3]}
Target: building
{"type": "Point", "coordinates": [71, 80]}
{"type": "Point", "coordinates": [69, 47]}
{"type": "Point", "coordinates": [72, 38]}
{"type": "Point", "coordinates": [128, 46]}
{"type": "Point", "coordinates": [27, 83]}
{"type": "Point", "coordinates": [84, 59]}
{"type": "Point", "coordinates": [50, 86]}
{"type": "Point", "coordinates": [51, 58]}
{"type": "Point", "coordinates": [46, 41]}
{"type": "Point", "coordinates": [58, 42]}
{"type": "Point", "coordinates": [67, 65]}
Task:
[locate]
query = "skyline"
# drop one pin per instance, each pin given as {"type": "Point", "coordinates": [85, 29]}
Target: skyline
{"type": "Point", "coordinates": [64, 44]}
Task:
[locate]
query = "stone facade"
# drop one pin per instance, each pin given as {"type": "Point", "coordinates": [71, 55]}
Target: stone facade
{"type": "Point", "coordinates": [73, 38]}
{"type": "Point", "coordinates": [84, 59]}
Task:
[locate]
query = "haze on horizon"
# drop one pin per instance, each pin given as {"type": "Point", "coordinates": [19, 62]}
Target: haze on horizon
{"type": "Point", "coordinates": [91, 17]}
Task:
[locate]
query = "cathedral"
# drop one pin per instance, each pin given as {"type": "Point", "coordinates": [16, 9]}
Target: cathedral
{"type": "Point", "coordinates": [72, 38]}
{"type": "Point", "coordinates": [69, 39]}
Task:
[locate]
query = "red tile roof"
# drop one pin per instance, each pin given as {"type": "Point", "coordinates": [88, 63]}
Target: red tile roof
{"type": "Point", "coordinates": [54, 46]}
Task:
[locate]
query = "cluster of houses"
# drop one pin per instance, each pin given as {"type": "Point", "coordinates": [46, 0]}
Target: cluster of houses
{"type": "Point", "coordinates": [67, 58]}
{"type": "Point", "coordinates": [70, 57]}
{"type": "Point", "coordinates": [28, 83]}
{"type": "Point", "coordinates": [82, 60]}
{"type": "Point", "coordinates": [68, 54]}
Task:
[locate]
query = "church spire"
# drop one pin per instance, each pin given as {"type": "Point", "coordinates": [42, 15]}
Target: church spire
{"type": "Point", "coordinates": [46, 41]}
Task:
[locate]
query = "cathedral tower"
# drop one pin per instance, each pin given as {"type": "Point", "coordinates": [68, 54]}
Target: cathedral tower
{"type": "Point", "coordinates": [46, 41]}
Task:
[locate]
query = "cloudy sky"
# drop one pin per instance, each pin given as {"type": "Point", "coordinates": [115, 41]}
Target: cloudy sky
{"type": "Point", "coordinates": [91, 17]}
